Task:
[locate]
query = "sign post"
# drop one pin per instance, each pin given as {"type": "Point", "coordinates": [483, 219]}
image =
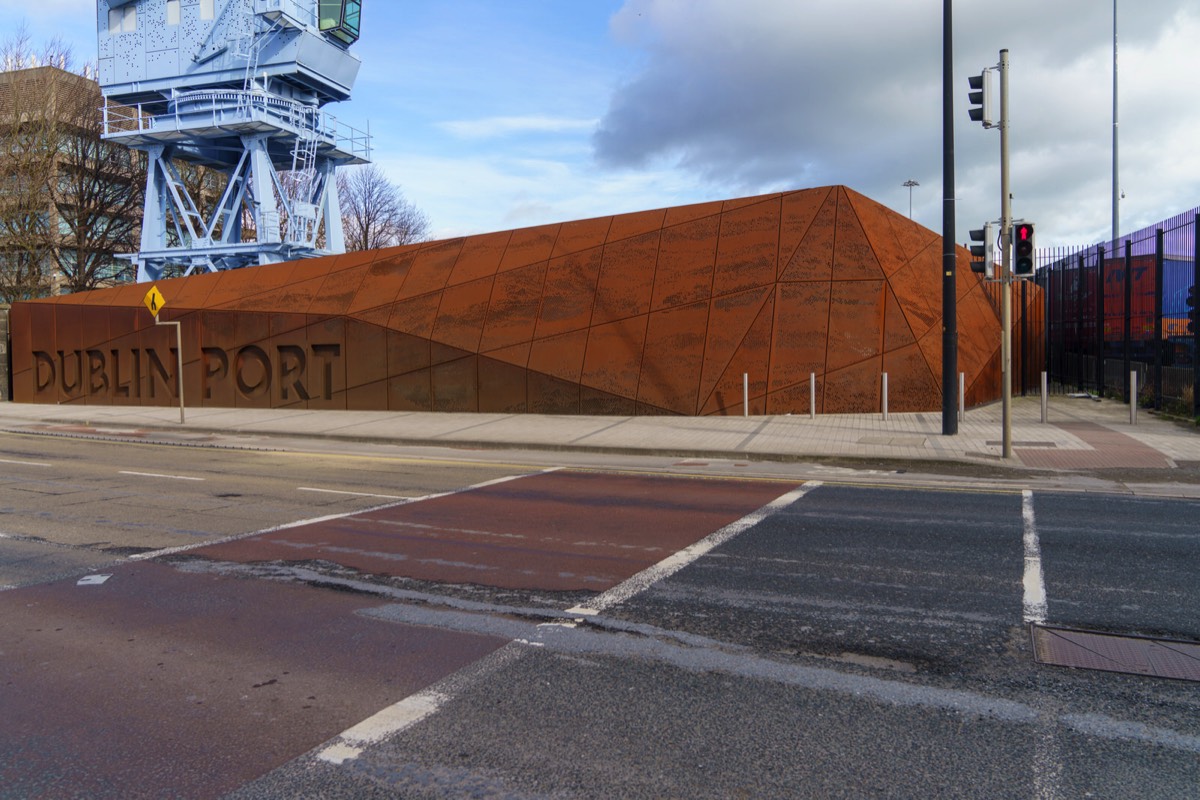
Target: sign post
{"type": "Point", "coordinates": [155, 303]}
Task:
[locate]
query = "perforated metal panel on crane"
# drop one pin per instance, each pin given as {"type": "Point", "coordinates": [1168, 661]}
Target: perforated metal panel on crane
{"type": "Point", "coordinates": [235, 86]}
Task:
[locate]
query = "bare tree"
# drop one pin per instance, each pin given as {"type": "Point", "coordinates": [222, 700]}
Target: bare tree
{"type": "Point", "coordinates": [97, 191]}
{"type": "Point", "coordinates": [26, 161]}
{"type": "Point", "coordinates": [69, 201]}
{"type": "Point", "coordinates": [375, 212]}
{"type": "Point", "coordinates": [26, 248]}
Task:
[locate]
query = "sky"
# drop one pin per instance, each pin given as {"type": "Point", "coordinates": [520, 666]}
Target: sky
{"type": "Point", "coordinates": [494, 115]}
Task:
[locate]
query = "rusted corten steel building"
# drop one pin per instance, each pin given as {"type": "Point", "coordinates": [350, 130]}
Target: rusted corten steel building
{"type": "Point", "coordinates": [659, 312]}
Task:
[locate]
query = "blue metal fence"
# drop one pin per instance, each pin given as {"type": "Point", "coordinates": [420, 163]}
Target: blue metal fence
{"type": "Point", "coordinates": [1120, 307]}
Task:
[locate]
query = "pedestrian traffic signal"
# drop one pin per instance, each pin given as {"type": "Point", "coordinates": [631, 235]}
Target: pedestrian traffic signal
{"type": "Point", "coordinates": [983, 254]}
{"type": "Point", "coordinates": [1191, 304]}
{"type": "Point", "coordinates": [981, 99]}
{"type": "Point", "coordinates": [1022, 234]}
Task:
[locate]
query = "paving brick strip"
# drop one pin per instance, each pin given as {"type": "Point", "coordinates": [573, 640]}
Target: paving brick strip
{"type": "Point", "coordinates": [1080, 433]}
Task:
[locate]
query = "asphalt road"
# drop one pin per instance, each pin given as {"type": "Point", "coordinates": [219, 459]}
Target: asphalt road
{"type": "Point", "coordinates": [210, 621]}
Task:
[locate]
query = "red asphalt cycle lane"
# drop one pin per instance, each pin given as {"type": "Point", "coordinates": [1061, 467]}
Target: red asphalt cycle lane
{"type": "Point", "coordinates": [184, 680]}
{"type": "Point", "coordinates": [555, 531]}
{"type": "Point", "coordinates": [163, 683]}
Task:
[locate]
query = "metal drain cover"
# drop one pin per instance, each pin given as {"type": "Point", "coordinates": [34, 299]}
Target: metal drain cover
{"type": "Point", "coordinates": [1110, 652]}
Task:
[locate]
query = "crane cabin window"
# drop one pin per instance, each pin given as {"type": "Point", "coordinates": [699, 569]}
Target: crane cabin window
{"type": "Point", "coordinates": [340, 19]}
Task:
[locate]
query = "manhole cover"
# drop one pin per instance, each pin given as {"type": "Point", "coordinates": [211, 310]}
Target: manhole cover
{"type": "Point", "coordinates": [1110, 652]}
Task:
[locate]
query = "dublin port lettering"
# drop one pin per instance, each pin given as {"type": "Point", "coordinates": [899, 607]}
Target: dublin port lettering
{"type": "Point", "coordinates": [286, 373]}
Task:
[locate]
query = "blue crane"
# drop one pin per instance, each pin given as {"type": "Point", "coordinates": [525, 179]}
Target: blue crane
{"type": "Point", "coordinates": [238, 88]}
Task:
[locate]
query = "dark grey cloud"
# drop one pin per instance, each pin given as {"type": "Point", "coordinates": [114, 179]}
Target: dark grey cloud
{"type": "Point", "coordinates": [768, 94]}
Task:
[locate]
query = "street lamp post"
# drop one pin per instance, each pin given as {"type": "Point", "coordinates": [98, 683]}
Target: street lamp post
{"type": "Point", "coordinates": [910, 183]}
{"type": "Point", "coordinates": [1116, 179]}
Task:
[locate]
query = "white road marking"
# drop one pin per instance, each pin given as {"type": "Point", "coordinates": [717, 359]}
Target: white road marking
{"type": "Point", "coordinates": [168, 551]}
{"type": "Point", "coordinates": [411, 710]}
{"type": "Point", "coordinates": [354, 494]}
{"type": "Point", "coordinates": [1047, 762]}
{"type": "Point", "coordinates": [23, 463]}
{"type": "Point", "coordinates": [677, 561]}
{"type": "Point", "coordinates": [1035, 584]}
{"type": "Point", "coordinates": [394, 719]}
{"type": "Point", "coordinates": [160, 475]}
{"type": "Point", "coordinates": [1047, 756]}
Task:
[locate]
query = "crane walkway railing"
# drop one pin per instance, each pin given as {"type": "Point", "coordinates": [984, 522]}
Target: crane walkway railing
{"type": "Point", "coordinates": [227, 108]}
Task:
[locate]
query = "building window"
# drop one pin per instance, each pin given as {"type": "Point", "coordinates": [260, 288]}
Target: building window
{"type": "Point", "coordinates": [172, 12]}
{"type": "Point", "coordinates": [122, 20]}
{"type": "Point", "coordinates": [207, 9]}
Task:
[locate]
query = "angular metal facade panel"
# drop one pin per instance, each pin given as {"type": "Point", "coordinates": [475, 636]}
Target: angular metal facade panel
{"type": "Point", "coordinates": [658, 312]}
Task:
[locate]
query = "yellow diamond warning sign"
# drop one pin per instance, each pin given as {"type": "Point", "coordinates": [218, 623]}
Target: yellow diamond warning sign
{"type": "Point", "coordinates": [154, 300]}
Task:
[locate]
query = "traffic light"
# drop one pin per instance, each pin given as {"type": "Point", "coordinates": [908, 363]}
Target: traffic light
{"type": "Point", "coordinates": [1191, 303]}
{"type": "Point", "coordinates": [981, 99]}
{"type": "Point", "coordinates": [983, 254]}
{"type": "Point", "coordinates": [1022, 234]}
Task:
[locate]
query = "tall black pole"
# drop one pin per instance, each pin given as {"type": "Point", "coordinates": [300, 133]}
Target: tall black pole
{"type": "Point", "coordinates": [949, 259]}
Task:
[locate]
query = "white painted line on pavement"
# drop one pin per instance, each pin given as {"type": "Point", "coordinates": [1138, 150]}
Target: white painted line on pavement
{"type": "Point", "coordinates": [350, 744]}
{"type": "Point", "coordinates": [169, 551]}
{"type": "Point", "coordinates": [393, 719]}
{"type": "Point", "coordinates": [1035, 584]}
{"type": "Point", "coordinates": [23, 463]}
{"type": "Point", "coordinates": [677, 561]}
{"type": "Point", "coordinates": [354, 494]}
{"type": "Point", "coordinates": [160, 475]}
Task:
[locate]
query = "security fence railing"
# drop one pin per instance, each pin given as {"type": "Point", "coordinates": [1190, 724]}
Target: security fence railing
{"type": "Point", "coordinates": [1028, 338]}
{"type": "Point", "coordinates": [1120, 309]}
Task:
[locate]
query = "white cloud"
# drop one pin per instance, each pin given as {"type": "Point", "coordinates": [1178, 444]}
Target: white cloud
{"type": "Point", "coordinates": [464, 196]}
{"type": "Point", "coordinates": [498, 127]}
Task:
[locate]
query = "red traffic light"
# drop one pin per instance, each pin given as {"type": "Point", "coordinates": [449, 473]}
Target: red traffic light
{"type": "Point", "coordinates": [1022, 234]}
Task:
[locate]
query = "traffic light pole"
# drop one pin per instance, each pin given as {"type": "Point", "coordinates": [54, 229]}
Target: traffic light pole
{"type": "Point", "coordinates": [949, 254]}
{"type": "Point", "coordinates": [1006, 276]}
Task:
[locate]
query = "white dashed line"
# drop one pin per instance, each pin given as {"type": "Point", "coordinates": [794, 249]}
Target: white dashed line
{"type": "Point", "coordinates": [393, 719]}
{"type": "Point", "coordinates": [160, 475]}
{"type": "Point", "coordinates": [352, 494]}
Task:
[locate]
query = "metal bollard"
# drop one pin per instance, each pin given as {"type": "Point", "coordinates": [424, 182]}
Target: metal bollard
{"type": "Point", "coordinates": [1045, 397]}
{"type": "Point", "coordinates": [1133, 397]}
{"type": "Point", "coordinates": [885, 398]}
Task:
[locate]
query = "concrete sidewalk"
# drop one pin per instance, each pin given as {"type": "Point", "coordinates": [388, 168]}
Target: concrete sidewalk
{"type": "Point", "coordinates": [1081, 433]}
